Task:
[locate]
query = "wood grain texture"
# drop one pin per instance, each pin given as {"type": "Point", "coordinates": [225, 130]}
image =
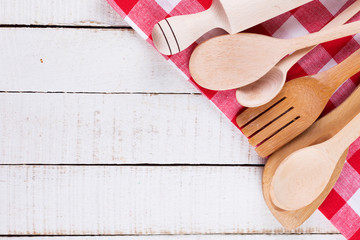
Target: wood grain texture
{"type": "Point", "coordinates": [175, 34]}
{"type": "Point", "coordinates": [127, 127]}
{"type": "Point", "coordinates": [118, 129]}
{"type": "Point", "coordinates": [195, 237]}
{"type": "Point", "coordinates": [72, 200]}
{"type": "Point", "coordinates": [231, 61]}
{"type": "Point", "coordinates": [295, 108]}
{"type": "Point", "coordinates": [301, 177]}
{"type": "Point", "coordinates": [320, 131]}
{"type": "Point", "coordinates": [59, 12]}
{"type": "Point", "coordinates": [268, 86]}
{"type": "Point", "coordinates": [84, 60]}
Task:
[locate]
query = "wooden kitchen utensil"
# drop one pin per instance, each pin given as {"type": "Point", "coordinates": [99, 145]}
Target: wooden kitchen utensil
{"type": "Point", "coordinates": [303, 175]}
{"type": "Point", "coordinates": [295, 108]}
{"type": "Point", "coordinates": [320, 131]}
{"type": "Point", "coordinates": [268, 86]}
{"type": "Point", "coordinates": [174, 34]}
{"type": "Point", "coordinates": [233, 61]}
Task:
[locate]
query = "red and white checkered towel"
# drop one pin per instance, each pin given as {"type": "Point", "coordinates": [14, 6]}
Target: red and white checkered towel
{"type": "Point", "coordinates": [342, 207]}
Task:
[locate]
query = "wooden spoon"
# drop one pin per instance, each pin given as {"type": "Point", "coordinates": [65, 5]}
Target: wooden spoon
{"type": "Point", "coordinates": [320, 131]}
{"type": "Point", "coordinates": [295, 108]}
{"type": "Point", "coordinates": [233, 61]}
{"type": "Point", "coordinates": [303, 175]}
{"type": "Point", "coordinates": [268, 86]}
{"type": "Point", "coordinates": [174, 34]}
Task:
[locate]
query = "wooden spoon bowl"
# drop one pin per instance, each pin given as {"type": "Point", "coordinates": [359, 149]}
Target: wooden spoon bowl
{"type": "Point", "coordinates": [217, 63]}
{"type": "Point", "coordinates": [268, 86]}
{"type": "Point", "coordinates": [233, 61]}
{"type": "Point", "coordinates": [320, 131]}
{"type": "Point", "coordinates": [300, 178]}
{"type": "Point", "coordinates": [288, 218]}
{"type": "Point", "coordinates": [303, 175]}
{"type": "Point", "coordinates": [263, 90]}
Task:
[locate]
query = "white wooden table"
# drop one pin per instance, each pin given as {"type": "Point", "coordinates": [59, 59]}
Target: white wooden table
{"type": "Point", "coordinates": [101, 138]}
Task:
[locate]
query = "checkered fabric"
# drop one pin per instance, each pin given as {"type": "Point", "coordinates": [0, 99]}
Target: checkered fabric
{"type": "Point", "coordinates": [342, 207]}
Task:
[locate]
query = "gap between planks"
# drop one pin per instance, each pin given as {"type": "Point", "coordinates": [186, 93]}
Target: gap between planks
{"type": "Point", "coordinates": [84, 60]}
{"type": "Point", "coordinates": [102, 24]}
{"type": "Point", "coordinates": [68, 200]}
{"type": "Point", "coordinates": [118, 129]}
{"type": "Point", "coordinates": [60, 12]}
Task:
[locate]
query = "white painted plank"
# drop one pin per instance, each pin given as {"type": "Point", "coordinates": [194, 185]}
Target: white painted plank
{"type": "Point", "coordinates": [196, 237]}
{"type": "Point", "coordinates": [59, 12]}
{"type": "Point", "coordinates": [118, 129]}
{"type": "Point", "coordinates": [84, 60]}
{"type": "Point", "coordinates": [72, 200]}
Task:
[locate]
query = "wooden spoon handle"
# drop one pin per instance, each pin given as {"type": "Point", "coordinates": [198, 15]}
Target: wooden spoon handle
{"type": "Point", "coordinates": [324, 36]}
{"type": "Point", "coordinates": [342, 140]}
{"type": "Point", "coordinates": [342, 18]}
{"type": "Point", "coordinates": [174, 34]}
{"type": "Point", "coordinates": [334, 77]}
{"type": "Point", "coordinates": [347, 110]}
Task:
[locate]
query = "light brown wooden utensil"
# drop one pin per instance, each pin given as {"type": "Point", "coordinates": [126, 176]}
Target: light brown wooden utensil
{"type": "Point", "coordinates": [304, 174]}
{"type": "Point", "coordinates": [268, 86]}
{"type": "Point", "coordinates": [320, 131]}
{"type": "Point", "coordinates": [295, 108]}
{"type": "Point", "coordinates": [174, 34]}
{"type": "Point", "coordinates": [233, 61]}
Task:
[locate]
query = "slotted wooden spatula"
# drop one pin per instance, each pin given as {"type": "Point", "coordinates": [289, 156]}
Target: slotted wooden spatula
{"type": "Point", "coordinates": [295, 108]}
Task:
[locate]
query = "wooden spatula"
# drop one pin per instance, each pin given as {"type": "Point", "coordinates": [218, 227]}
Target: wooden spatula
{"type": "Point", "coordinates": [174, 34]}
{"type": "Point", "coordinates": [232, 61]}
{"type": "Point", "coordinates": [295, 108]}
{"type": "Point", "coordinates": [320, 131]}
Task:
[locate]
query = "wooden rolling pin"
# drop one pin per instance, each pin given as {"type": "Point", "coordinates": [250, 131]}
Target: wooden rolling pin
{"type": "Point", "coordinates": [174, 34]}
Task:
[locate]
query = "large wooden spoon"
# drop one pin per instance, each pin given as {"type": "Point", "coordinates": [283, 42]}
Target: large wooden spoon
{"type": "Point", "coordinates": [233, 61]}
{"type": "Point", "coordinates": [303, 175]}
{"type": "Point", "coordinates": [268, 86]}
{"type": "Point", "coordinates": [320, 131]}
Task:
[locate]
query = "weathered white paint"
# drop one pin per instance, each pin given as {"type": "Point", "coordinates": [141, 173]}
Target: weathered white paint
{"type": "Point", "coordinates": [118, 129]}
{"type": "Point", "coordinates": [59, 12]}
{"type": "Point", "coordinates": [84, 60]}
{"type": "Point", "coordinates": [197, 237]}
{"type": "Point", "coordinates": [67, 200]}
{"type": "Point", "coordinates": [122, 128]}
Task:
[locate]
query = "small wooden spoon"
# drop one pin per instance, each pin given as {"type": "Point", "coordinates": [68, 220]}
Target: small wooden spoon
{"type": "Point", "coordinates": [233, 61]}
{"type": "Point", "coordinates": [303, 175]}
{"type": "Point", "coordinates": [268, 86]}
{"type": "Point", "coordinates": [320, 131]}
